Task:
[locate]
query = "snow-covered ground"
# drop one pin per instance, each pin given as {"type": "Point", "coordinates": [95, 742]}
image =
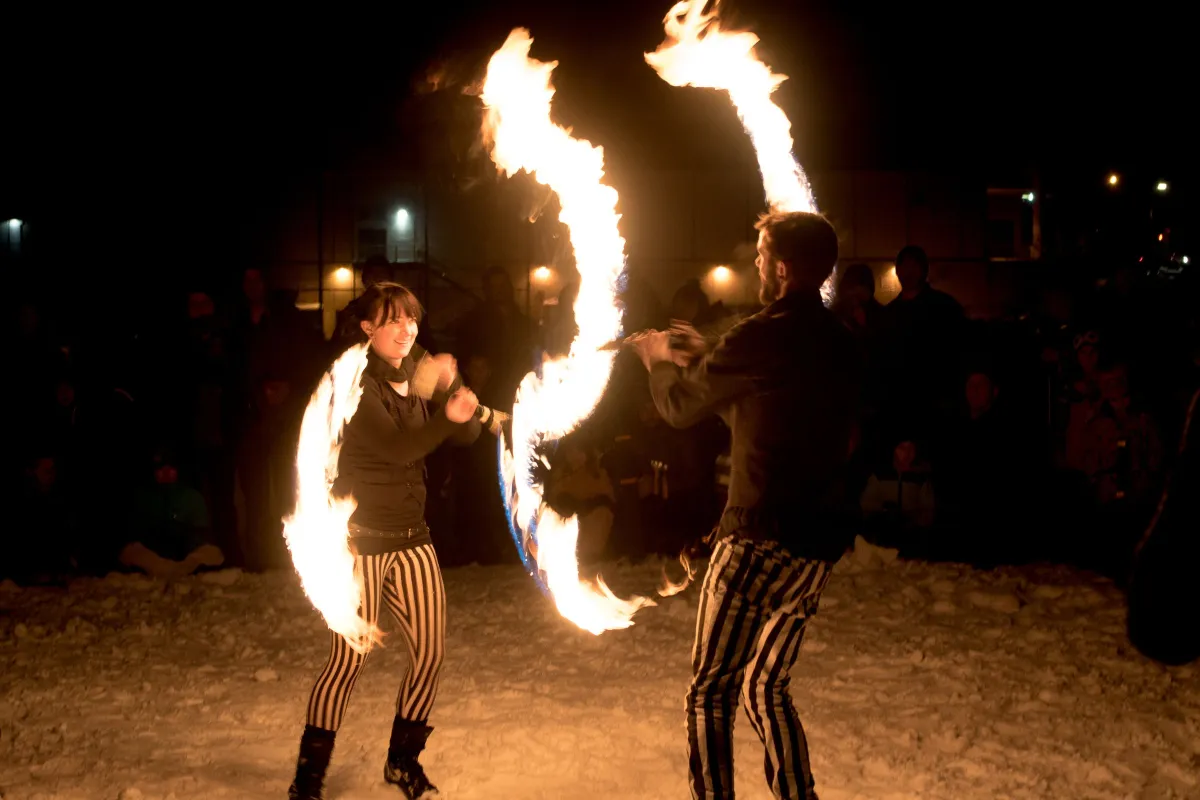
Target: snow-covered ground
{"type": "Point", "coordinates": [915, 681]}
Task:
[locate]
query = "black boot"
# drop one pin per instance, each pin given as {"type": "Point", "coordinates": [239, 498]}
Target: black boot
{"type": "Point", "coordinates": [402, 768]}
{"type": "Point", "coordinates": [316, 748]}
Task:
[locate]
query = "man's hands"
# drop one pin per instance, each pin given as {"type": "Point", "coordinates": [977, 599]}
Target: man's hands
{"type": "Point", "coordinates": [652, 347]}
{"type": "Point", "coordinates": [461, 405]}
{"type": "Point", "coordinates": [687, 344]}
{"type": "Point", "coordinates": [681, 345]}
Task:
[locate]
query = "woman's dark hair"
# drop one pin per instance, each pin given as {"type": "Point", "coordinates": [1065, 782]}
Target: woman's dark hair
{"type": "Point", "coordinates": [386, 300]}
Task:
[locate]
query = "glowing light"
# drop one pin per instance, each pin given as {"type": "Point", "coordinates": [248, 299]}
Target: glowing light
{"type": "Point", "coordinates": [343, 276]}
{"type": "Point", "coordinates": [402, 219]}
{"type": "Point", "coordinates": [1161, 187]}
{"type": "Point", "coordinates": [543, 274]}
{"type": "Point", "coordinates": [721, 274]}
{"type": "Point", "coordinates": [14, 223]}
{"type": "Point", "coordinates": [317, 533]}
{"type": "Point", "coordinates": [1185, 259]}
{"type": "Point", "coordinates": [522, 137]}
{"type": "Point", "coordinates": [1114, 179]}
{"type": "Point", "coordinates": [890, 281]}
{"type": "Point", "coordinates": [1160, 237]}
{"type": "Point", "coordinates": [1028, 197]}
{"type": "Point", "coordinates": [697, 52]}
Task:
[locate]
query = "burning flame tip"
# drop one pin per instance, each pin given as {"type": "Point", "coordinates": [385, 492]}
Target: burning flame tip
{"type": "Point", "coordinates": [697, 52]}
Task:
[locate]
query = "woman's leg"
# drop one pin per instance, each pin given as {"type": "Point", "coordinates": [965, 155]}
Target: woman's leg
{"type": "Point", "coordinates": [415, 595]}
{"type": "Point", "coordinates": [331, 694]}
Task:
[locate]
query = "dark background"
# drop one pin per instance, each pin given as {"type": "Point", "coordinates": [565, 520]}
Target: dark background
{"type": "Point", "coordinates": [146, 141]}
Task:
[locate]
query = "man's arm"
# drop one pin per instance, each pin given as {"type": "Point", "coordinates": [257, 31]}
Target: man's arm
{"type": "Point", "coordinates": [685, 396]}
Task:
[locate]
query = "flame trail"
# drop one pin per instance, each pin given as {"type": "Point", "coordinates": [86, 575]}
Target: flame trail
{"type": "Point", "coordinates": [522, 137]}
{"type": "Point", "coordinates": [317, 533]}
{"type": "Point", "coordinates": [698, 53]}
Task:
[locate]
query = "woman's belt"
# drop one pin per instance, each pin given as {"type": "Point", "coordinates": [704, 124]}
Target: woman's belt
{"type": "Point", "coordinates": [362, 532]}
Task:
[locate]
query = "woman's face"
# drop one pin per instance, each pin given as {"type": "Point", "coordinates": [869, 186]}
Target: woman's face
{"type": "Point", "coordinates": [392, 335]}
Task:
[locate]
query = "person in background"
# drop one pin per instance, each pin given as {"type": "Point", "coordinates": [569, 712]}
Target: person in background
{"type": "Point", "coordinates": [921, 339]}
{"type": "Point", "coordinates": [170, 526]}
{"type": "Point", "coordinates": [42, 507]}
{"type": "Point", "coordinates": [898, 503]}
{"type": "Point", "coordinates": [855, 302]}
{"type": "Point", "coordinates": [985, 475]}
{"type": "Point", "coordinates": [582, 487]}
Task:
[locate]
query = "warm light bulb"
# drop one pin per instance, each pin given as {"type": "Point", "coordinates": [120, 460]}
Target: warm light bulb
{"type": "Point", "coordinates": [343, 275]}
{"type": "Point", "coordinates": [722, 274]}
{"type": "Point", "coordinates": [542, 274]}
{"type": "Point", "coordinates": [1113, 179]}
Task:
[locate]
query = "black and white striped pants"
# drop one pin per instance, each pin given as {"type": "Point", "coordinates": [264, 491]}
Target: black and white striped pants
{"type": "Point", "coordinates": [410, 582]}
{"type": "Point", "coordinates": [754, 606]}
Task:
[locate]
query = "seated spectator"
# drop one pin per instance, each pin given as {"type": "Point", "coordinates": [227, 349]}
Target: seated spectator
{"type": "Point", "coordinates": [582, 487]}
{"type": "Point", "coordinates": [898, 503]}
{"type": "Point", "coordinates": [170, 526]}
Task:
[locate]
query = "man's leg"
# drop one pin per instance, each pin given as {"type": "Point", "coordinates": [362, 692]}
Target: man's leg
{"type": "Point", "coordinates": [726, 634]}
{"type": "Point", "coordinates": [765, 691]}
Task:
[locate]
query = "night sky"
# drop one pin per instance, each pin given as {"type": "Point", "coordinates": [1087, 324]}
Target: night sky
{"type": "Point", "coordinates": [161, 137]}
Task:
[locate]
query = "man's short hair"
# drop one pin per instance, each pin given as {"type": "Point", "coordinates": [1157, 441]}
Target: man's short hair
{"type": "Point", "coordinates": [806, 242]}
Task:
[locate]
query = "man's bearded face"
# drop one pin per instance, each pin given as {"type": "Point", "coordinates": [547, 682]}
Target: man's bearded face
{"type": "Point", "coordinates": [768, 271]}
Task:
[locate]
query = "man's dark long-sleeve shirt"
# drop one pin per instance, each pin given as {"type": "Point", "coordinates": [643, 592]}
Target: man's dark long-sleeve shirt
{"type": "Point", "coordinates": [786, 382]}
{"type": "Point", "coordinates": [382, 461]}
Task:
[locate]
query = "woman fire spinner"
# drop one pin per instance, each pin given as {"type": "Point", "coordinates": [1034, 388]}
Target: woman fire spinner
{"type": "Point", "coordinates": [382, 466]}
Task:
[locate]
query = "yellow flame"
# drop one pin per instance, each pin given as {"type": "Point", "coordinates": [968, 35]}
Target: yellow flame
{"type": "Point", "coordinates": [698, 53]}
{"type": "Point", "coordinates": [317, 533]}
{"type": "Point", "coordinates": [670, 588]}
{"type": "Point", "coordinates": [522, 137]}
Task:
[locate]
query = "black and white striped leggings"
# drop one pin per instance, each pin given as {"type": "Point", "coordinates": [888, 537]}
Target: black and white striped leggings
{"type": "Point", "coordinates": [410, 582]}
{"type": "Point", "coordinates": [755, 603]}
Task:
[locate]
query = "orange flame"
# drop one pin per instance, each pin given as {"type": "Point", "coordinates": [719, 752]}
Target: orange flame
{"type": "Point", "coordinates": [317, 533]}
{"type": "Point", "coordinates": [697, 52]}
{"type": "Point", "coordinates": [522, 137]}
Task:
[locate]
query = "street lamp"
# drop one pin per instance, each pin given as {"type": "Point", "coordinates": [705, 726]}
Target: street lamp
{"type": "Point", "coordinates": [1162, 187]}
{"type": "Point", "coordinates": [1114, 179]}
